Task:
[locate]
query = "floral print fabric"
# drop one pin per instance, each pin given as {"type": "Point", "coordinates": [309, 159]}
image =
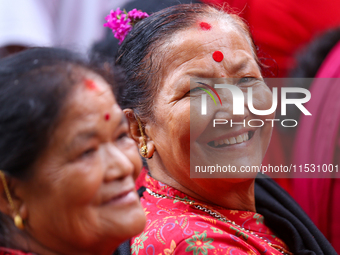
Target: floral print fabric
{"type": "Point", "coordinates": [174, 227]}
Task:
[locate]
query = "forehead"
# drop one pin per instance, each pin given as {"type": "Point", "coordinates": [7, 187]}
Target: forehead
{"type": "Point", "coordinates": [196, 46]}
{"type": "Point", "coordinates": [89, 96]}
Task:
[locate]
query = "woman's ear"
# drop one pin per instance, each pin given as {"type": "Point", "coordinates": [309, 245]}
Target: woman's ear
{"type": "Point", "coordinates": [4, 204]}
{"type": "Point", "coordinates": [139, 135]}
{"type": "Point", "coordinates": [133, 125]}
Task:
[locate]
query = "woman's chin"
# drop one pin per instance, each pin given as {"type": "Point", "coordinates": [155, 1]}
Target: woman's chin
{"type": "Point", "coordinates": [131, 223]}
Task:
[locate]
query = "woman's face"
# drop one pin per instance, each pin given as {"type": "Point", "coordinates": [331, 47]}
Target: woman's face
{"type": "Point", "coordinates": [82, 196]}
{"type": "Point", "coordinates": [177, 104]}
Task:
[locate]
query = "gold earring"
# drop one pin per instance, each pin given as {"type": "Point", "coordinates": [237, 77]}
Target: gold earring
{"type": "Point", "coordinates": [18, 222]}
{"type": "Point", "coordinates": [144, 150]}
{"type": "Point", "coordinates": [17, 218]}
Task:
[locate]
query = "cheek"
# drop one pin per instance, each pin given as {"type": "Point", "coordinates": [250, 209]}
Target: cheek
{"type": "Point", "coordinates": [263, 100]}
{"type": "Point", "coordinates": [198, 122]}
{"type": "Point", "coordinates": [179, 124]}
{"type": "Point", "coordinates": [84, 180]}
{"type": "Point", "coordinates": [61, 196]}
{"type": "Point", "coordinates": [76, 183]}
{"type": "Point", "coordinates": [171, 133]}
{"type": "Point", "coordinates": [130, 150]}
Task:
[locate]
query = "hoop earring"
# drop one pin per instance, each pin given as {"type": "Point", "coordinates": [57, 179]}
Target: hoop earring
{"type": "Point", "coordinates": [17, 218]}
{"type": "Point", "coordinates": [144, 150]}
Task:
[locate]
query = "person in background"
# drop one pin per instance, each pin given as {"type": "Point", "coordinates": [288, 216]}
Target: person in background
{"type": "Point", "coordinates": [67, 164]}
{"type": "Point", "coordinates": [69, 24]}
{"type": "Point", "coordinates": [317, 138]}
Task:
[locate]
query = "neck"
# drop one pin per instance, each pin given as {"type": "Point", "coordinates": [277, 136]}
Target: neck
{"type": "Point", "coordinates": [233, 194]}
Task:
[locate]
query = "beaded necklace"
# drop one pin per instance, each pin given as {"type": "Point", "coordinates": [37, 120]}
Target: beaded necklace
{"type": "Point", "coordinates": [219, 217]}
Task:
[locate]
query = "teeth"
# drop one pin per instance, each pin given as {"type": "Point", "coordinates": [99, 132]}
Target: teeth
{"type": "Point", "coordinates": [239, 139]}
{"type": "Point", "coordinates": [232, 140]}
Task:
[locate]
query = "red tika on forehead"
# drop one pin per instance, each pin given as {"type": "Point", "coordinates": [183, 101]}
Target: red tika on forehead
{"type": "Point", "coordinates": [205, 26]}
{"type": "Point", "coordinates": [218, 56]}
{"type": "Point", "coordinates": [90, 84]}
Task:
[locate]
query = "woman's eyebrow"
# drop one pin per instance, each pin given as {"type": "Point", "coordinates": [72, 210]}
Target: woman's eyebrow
{"type": "Point", "coordinates": [80, 138]}
{"type": "Point", "coordinates": [241, 65]}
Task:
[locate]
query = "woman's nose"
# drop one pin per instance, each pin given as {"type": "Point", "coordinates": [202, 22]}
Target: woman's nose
{"type": "Point", "coordinates": [224, 114]}
{"type": "Point", "coordinates": [118, 165]}
{"type": "Point", "coordinates": [226, 111]}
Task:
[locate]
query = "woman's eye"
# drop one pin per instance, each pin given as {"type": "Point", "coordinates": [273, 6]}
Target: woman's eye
{"type": "Point", "coordinates": [197, 89]}
{"type": "Point", "coordinates": [123, 135]}
{"type": "Point", "coordinates": [246, 80]}
{"type": "Point", "coordinates": [88, 152]}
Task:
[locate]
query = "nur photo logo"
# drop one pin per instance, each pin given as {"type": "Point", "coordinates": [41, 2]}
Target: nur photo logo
{"type": "Point", "coordinates": [238, 103]}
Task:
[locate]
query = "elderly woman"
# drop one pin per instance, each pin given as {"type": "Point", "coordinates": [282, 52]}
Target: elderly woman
{"type": "Point", "coordinates": [67, 164]}
{"type": "Point", "coordinates": [161, 55]}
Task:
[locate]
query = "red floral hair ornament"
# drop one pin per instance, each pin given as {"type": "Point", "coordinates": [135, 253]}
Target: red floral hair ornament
{"type": "Point", "coordinates": [121, 22]}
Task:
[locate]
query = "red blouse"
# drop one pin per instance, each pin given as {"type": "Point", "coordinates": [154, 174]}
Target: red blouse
{"type": "Point", "coordinates": [175, 227]}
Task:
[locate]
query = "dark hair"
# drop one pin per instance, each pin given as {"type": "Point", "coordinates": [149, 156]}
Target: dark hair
{"type": "Point", "coordinates": [310, 59]}
{"type": "Point", "coordinates": [137, 52]}
{"type": "Point", "coordinates": [34, 85]}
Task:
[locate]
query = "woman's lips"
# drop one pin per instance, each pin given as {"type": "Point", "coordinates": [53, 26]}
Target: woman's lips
{"type": "Point", "coordinates": [123, 198]}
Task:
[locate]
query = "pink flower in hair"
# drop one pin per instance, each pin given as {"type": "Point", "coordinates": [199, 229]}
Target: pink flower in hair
{"type": "Point", "coordinates": [137, 15]}
{"type": "Point", "coordinates": [121, 22]}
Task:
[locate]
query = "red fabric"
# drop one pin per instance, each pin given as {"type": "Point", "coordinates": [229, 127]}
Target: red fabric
{"type": "Point", "coordinates": [280, 28]}
{"type": "Point", "coordinates": [141, 178]}
{"type": "Point", "coordinates": [7, 251]}
{"type": "Point", "coordinates": [174, 227]}
{"type": "Point", "coordinates": [318, 142]}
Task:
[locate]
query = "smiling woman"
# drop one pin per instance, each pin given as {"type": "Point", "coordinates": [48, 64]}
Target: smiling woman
{"type": "Point", "coordinates": [68, 165]}
{"type": "Point", "coordinates": [185, 215]}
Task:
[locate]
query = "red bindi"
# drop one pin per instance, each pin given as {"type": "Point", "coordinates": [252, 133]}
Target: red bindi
{"type": "Point", "coordinates": [107, 117]}
{"type": "Point", "coordinates": [90, 84]}
{"type": "Point", "coordinates": [205, 26]}
{"type": "Point", "coordinates": [218, 56]}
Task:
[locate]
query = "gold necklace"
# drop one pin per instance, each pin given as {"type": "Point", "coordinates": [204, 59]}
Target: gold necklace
{"type": "Point", "coordinates": [219, 217]}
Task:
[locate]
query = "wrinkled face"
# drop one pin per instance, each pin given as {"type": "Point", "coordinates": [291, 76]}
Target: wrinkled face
{"type": "Point", "coordinates": [82, 196]}
{"type": "Point", "coordinates": [192, 54]}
